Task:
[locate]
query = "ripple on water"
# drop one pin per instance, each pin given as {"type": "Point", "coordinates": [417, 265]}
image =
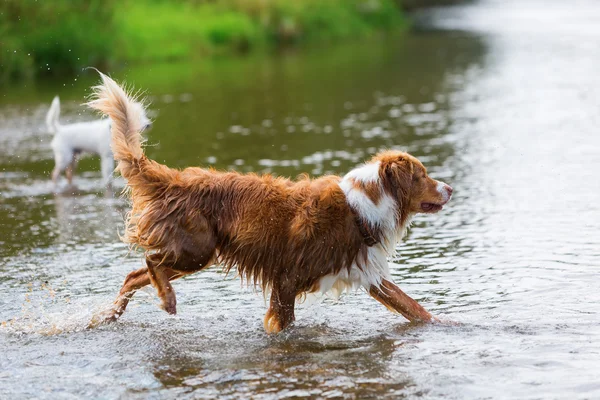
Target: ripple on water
{"type": "Point", "coordinates": [511, 264]}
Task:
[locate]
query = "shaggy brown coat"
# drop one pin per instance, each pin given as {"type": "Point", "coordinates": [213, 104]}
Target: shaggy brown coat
{"type": "Point", "coordinates": [281, 234]}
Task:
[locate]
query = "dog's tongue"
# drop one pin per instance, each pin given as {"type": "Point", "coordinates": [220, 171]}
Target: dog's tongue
{"type": "Point", "coordinates": [427, 206]}
{"type": "Point", "coordinates": [430, 207]}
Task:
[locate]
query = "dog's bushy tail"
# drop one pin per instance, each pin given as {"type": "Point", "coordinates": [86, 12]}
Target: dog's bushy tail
{"type": "Point", "coordinates": [126, 142]}
{"type": "Point", "coordinates": [146, 178]}
{"type": "Point", "coordinates": [53, 115]}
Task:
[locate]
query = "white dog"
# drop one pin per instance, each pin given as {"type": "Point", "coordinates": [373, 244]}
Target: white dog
{"type": "Point", "coordinates": [83, 137]}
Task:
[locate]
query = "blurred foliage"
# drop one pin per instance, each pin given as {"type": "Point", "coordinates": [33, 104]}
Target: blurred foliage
{"type": "Point", "coordinates": [58, 36]}
{"type": "Point", "coordinates": [61, 36]}
{"type": "Point", "coordinates": [410, 5]}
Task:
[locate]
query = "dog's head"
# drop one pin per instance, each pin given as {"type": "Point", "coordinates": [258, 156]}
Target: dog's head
{"type": "Point", "coordinates": [406, 179]}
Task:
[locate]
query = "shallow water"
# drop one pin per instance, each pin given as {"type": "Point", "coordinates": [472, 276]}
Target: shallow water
{"type": "Point", "coordinates": [498, 99]}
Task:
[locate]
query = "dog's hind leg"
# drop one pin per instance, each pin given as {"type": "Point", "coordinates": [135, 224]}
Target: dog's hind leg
{"type": "Point", "coordinates": [137, 280]}
{"type": "Point", "coordinates": [134, 281]}
{"type": "Point", "coordinates": [55, 174]}
{"type": "Point", "coordinates": [61, 163]}
{"type": "Point", "coordinates": [396, 300]}
{"type": "Point", "coordinates": [70, 170]}
{"type": "Point", "coordinates": [194, 255]}
{"type": "Point", "coordinates": [194, 252]}
{"type": "Point", "coordinates": [69, 174]}
{"type": "Point", "coordinates": [159, 276]}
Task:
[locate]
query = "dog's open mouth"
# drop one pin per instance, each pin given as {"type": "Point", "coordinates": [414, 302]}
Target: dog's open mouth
{"type": "Point", "coordinates": [431, 207]}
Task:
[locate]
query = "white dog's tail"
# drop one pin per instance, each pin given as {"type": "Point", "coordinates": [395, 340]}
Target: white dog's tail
{"type": "Point", "coordinates": [53, 115]}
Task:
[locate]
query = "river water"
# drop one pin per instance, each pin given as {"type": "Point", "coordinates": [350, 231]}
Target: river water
{"type": "Point", "coordinates": [500, 99]}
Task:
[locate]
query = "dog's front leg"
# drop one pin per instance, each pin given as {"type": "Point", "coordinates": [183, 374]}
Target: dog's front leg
{"type": "Point", "coordinates": [281, 310]}
{"type": "Point", "coordinates": [107, 165]}
{"type": "Point", "coordinates": [390, 295]}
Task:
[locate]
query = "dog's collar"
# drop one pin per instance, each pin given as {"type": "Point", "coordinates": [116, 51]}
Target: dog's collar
{"type": "Point", "coordinates": [365, 230]}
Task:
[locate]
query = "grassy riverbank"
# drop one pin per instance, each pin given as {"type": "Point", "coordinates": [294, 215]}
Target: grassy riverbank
{"type": "Point", "coordinates": [62, 36]}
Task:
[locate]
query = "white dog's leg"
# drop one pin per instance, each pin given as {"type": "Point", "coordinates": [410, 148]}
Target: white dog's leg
{"type": "Point", "coordinates": [108, 166]}
{"type": "Point", "coordinates": [70, 171]}
{"type": "Point", "coordinates": [55, 174]}
{"type": "Point", "coordinates": [62, 161]}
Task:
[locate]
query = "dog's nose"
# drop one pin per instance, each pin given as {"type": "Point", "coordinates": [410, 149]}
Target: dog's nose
{"type": "Point", "coordinates": [448, 190]}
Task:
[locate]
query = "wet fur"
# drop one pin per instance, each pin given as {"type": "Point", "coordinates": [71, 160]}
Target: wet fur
{"type": "Point", "coordinates": [289, 237]}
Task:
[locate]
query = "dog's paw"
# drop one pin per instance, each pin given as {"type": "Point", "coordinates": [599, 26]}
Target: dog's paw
{"type": "Point", "coordinates": [170, 307]}
{"type": "Point", "coordinates": [443, 321]}
{"type": "Point", "coordinates": [272, 325]}
{"type": "Point", "coordinates": [102, 318]}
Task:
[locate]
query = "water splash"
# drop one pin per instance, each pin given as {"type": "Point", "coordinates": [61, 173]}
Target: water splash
{"type": "Point", "coordinates": [48, 311]}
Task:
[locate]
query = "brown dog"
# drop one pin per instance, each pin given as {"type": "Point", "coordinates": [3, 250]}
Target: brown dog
{"type": "Point", "coordinates": [290, 237]}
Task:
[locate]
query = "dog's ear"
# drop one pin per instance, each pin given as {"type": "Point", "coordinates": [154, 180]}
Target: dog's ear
{"type": "Point", "coordinates": [397, 176]}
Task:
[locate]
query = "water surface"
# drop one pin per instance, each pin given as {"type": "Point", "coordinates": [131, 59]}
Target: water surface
{"type": "Point", "coordinates": [500, 99]}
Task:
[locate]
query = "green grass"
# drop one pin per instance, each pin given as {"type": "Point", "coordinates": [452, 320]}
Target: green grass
{"type": "Point", "coordinates": [61, 36]}
{"type": "Point", "coordinates": [158, 31]}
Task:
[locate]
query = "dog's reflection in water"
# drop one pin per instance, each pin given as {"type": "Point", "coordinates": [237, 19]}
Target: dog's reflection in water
{"type": "Point", "coordinates": [86, 217]}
